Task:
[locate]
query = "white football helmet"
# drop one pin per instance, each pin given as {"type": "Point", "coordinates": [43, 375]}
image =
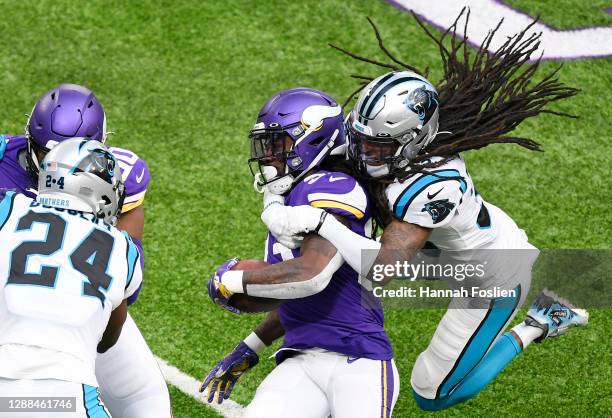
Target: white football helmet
{"type": "Point", "coordinates": [396, 116]}
{"type": "Point", "coordinates": [81, 174]}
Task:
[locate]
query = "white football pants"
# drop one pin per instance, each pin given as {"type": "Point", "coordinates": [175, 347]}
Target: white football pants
{"type": "Point", "coordinates": [471, 327]}
{"type": "Point", "coordinates": [131, 383]}
{"type": "Point", "coordinates": [317, 383]}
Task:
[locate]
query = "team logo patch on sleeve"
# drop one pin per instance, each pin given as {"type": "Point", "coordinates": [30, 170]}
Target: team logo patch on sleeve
{"type": "Point", "coordinates": [438, 209]}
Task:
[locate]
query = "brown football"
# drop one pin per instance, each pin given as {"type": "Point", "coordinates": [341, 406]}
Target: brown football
{"type": "Point", "coordinates": [252, 304]}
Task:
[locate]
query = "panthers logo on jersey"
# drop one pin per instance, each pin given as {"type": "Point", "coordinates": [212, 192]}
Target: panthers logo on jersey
{"type": "Point", "coordinates": [423, 102]}
{"type": "Point", "coordinates": [438, 209]}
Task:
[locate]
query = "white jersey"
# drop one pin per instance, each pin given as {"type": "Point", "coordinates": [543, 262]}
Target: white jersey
{"type": "Point", "coordinates": [62, 273]}
{"type": "Point", "coordinates": [445, 200]}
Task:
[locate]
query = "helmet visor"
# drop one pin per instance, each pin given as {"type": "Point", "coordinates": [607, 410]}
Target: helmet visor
{"type": "Point", "coordinates": [267, 146]}
{"type": "Point", "coordinates": [372, 150]}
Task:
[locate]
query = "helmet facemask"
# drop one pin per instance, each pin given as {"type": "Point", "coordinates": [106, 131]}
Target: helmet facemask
{"type": "Point", "coordinates": [34, 150]}
{"type": "Point", "coordinates": [273, 161]}
{"type": "Point", "coordinates": [382, 155]}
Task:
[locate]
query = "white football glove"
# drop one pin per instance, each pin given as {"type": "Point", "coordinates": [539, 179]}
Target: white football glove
{"type": "Point", "coordinates": [288, 224]}
{"type": "Point", "coordinates": [276, 219]}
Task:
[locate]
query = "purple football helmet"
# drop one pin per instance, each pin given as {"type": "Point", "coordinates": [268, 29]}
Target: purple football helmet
{"type": "Point", "coordinates": [295, 130]}
{"type": "Point", "coordinates": [65, 112]}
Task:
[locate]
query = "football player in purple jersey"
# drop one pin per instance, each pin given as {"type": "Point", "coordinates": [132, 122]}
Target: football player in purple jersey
{"type": "Point", "coordinates": [336, 357]}
{"type": "Point", "coordinates": [405, 137]}
{"type": "Point", "coordinates": [130, 381]}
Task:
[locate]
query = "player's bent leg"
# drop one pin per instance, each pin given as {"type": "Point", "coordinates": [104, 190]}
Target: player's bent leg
{"type": "Point", "coordinates": [363, 388]}
{"type": "Point", "coordinates": [466, 351]}
{"type": "Point", "coordinates": [288, 391]}
{"type": "Point", "coordinates": [131, 383]}
{"type": "Point", "coordinates": [62, 399]}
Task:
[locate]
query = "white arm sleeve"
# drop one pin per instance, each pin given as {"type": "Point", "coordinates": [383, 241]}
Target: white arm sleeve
{"type": "Point", "coordinates": [294, 290]}
{"type": "Point", "coordinates": [358, 251]}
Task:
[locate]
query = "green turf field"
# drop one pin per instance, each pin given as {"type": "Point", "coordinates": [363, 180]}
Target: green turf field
{"type": "Point", "coordinates": [182, 82]}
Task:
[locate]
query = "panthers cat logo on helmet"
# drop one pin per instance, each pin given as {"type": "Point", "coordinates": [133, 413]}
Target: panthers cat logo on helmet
{"type": "Point", "coordinates": [423, 102]}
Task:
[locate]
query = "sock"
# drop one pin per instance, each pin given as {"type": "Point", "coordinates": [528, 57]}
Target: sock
{"type": "Point", "coordinates": [527, 333]}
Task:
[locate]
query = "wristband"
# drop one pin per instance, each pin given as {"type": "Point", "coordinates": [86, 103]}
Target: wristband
{"type": "Point", "coordinates": [232, 280]}
{"type": "Point", "coordinates": [254, 343]}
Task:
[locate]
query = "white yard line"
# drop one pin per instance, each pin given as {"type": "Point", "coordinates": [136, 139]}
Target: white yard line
{"type": "Point", "coordinates": [556, 43]}
{"type": "Point", "coordinates": [189, 386]}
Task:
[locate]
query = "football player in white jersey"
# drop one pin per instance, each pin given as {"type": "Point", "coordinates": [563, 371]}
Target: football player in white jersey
{"type": "Point", "coordinates": [424, 193]}
{"type": "Point", "coordinates": [131, 382]}
{"type": "Point", "coordinates": [65, 276]}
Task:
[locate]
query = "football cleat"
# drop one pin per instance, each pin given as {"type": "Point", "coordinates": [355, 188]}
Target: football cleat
{"type": "Point", "coordinates": [554, 315]}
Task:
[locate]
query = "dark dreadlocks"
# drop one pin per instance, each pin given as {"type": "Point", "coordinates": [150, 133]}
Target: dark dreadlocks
{"type": "Point", "coordinates": [482, 99]}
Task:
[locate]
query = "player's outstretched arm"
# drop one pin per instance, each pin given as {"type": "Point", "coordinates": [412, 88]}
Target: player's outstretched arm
{"type": "Point", "coordinates": [113, 328]}
{"type": "Point", "coordinates": [399, 242]}
{"type": "Point", "coordinates": [300, 277]}
{"type": "Point", "coordinates": [222, 378]}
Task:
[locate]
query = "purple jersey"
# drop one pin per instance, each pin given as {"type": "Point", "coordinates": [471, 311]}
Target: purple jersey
{"type": "Point", "coordinates": [335, 319]}
{"type": "Point", "coordinates": [14, 176]}
{"type": "Point", "coordinates": [135, 175]}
